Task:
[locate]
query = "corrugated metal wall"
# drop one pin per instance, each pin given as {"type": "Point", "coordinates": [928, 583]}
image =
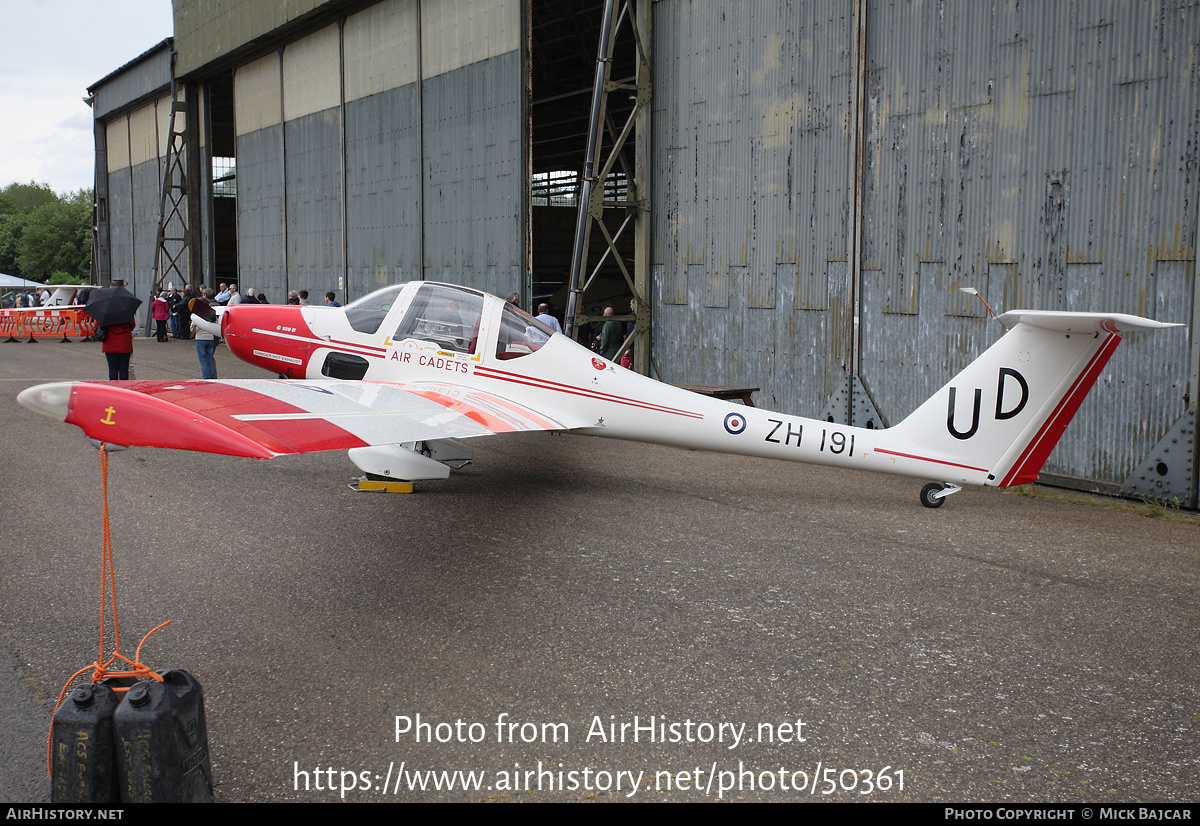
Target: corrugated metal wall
{"type": "Point", "coordinates": [1040, 153]}
{"type": "Point", "coordinates": [1045, 154]}
{"type": "Point", "coordinates": [120, 199]}
{"type": "Point", "coordinates": [380, 177]}
{"type": "Point", "coordinates": [143, 78]}
{"type": "Point", "coordinates": [751, 113]}
{"type": "Point", "coordinates": [258, 122]}
{"type": "Point", "coordinates": [136, 147]}
{"type": "Point", "coordinates": [312, 137]}
{"type": "Point", "coordinates": [206, 30]}
{"type": "Point", "coordinates": [383, 146]}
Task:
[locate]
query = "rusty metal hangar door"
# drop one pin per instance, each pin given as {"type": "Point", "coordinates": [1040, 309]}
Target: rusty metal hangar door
{"type": "Point", "coordinates": [1038, 154]}
{"type": "Point", "coordinates": [388, 146]}
{"type": "Point", "coordinates": [827, 175]}
{"type": "Point", "coordinates": [751, 177]}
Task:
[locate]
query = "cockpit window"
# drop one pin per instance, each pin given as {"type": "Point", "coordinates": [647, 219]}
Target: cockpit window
{"type": "Point", "coordinates": [444, 315]}
{"type": "Point", "coordinates": [367, 313]}
{"type": "Point", "coordinates": [520, 334]}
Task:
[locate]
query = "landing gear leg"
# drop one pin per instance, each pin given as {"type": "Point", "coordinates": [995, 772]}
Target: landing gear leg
{"type": "Point", "coordinates": [933, 494]}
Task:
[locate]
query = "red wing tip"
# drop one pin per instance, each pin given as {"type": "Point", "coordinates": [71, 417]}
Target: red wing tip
{"type": "Point", "coordinates": [118, 415]}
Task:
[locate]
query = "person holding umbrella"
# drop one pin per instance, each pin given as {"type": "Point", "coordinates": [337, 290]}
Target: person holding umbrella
{"type": "Point", "coordinates": [118, 349]}
{"type": "Point", "coordinates": [113, 310]}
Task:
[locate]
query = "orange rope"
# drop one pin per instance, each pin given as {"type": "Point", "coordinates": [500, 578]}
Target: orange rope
{"type": "Point", "coordinates": [108, 586]}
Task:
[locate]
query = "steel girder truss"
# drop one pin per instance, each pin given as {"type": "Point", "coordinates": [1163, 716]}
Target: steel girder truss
{"type": "Point", "coordinates": [635, 205]}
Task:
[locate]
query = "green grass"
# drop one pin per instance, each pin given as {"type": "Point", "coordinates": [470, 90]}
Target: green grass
{"type": "Point", "coordinates": [1170, 510]}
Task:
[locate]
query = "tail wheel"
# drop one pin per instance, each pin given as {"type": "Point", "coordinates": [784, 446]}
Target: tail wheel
{"type": "Point", "coordinates": [929, 497]}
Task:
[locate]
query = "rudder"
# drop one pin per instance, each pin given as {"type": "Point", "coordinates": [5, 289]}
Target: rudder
{"type": "Point", "coordinates": [1005, 412]}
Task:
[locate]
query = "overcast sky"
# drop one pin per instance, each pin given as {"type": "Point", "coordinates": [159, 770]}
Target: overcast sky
{"type": "Point", "coordinates": [50, 52]}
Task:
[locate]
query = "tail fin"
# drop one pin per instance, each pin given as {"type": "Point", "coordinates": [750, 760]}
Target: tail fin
{"type": "Point", "coordinates": [1006, 411]}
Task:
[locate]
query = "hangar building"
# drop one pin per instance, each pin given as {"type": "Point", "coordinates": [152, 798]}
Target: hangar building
{"type": "Point", "coordinates": [796, 190]}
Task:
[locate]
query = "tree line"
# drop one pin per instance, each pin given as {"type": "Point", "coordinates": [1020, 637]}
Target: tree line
{"type": "Point", "coordinates": [46, 237]}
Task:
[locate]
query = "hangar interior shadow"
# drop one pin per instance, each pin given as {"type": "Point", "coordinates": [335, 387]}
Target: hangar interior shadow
{"type": "Point", "coordinates": [565, 38]}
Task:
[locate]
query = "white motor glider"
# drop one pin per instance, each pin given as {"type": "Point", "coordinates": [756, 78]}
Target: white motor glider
{"type": "Point", "coordinates": [401, 374]}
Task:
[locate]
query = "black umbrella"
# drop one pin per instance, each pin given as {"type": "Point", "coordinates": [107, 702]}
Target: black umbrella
{"type": "Point", "coordinates": [113, 305]}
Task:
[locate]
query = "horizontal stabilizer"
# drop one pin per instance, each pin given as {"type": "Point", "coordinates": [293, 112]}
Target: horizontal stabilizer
{"type": "Point", "coordinates": [1066, 322]}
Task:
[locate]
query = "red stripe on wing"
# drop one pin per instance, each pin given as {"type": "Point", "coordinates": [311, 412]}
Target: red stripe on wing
{"type": "Point", "coordinates": [199, 416]}
{"type": "Point", "coordinates": [517, 418]}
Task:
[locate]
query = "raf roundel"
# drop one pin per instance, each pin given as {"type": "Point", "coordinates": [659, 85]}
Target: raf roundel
{"type": "Point", "coordinates": [735, 423]}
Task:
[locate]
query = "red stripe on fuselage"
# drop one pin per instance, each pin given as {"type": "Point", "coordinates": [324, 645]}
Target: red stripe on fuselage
{"type": "Point", "coordinates": [545, 384]}
{"type": "Point", "coordinates": [368, 349]}
{"type": "Point", "coordinates": [927, 459]}
{"type": "Point", "coordinates": [331, 344]}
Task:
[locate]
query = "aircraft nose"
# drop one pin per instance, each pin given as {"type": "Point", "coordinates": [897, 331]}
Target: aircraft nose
{"type": "Point", "coordinates": [272, 336]}
{"type": "Point", "coordinates": [243, 319]}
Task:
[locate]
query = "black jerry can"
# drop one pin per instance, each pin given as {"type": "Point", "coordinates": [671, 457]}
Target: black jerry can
{"type": "Point", "coordinates": [83, 756]}
{"type": "Point", "coordinates": [162, 742]}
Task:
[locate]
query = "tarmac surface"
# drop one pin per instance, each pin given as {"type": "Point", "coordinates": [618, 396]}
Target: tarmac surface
{"type": "Point", "coordinates": [1004, 648]}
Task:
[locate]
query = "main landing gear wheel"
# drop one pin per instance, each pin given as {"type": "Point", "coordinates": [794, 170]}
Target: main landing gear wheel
{"type": "Point", "coordinates": [929, 497]}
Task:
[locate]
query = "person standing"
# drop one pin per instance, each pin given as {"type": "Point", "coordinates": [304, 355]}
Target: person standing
{"type": "Point", "coordinates": [630, 326]}
{"type": "Point", "coordinates": [173, 301]}
{"type": "Point", "coordinates": [611, 336]}
{"type": "Point", "coordinates": [546, 317]}
{"type": "Point", "coordinates": [160, 311]}
{"type": "Point", "coordinates": [331, 299]}
{"type": "Point", "coordinates": [206, 345]}
{"type": "Point", "coordinates": [118, 349]}
{"type": "Point", "coordinates": [183, 314]}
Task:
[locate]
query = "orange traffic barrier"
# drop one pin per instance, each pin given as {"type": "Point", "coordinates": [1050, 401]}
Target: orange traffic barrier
{"type": "Point", "coordinates": [46, 322]}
